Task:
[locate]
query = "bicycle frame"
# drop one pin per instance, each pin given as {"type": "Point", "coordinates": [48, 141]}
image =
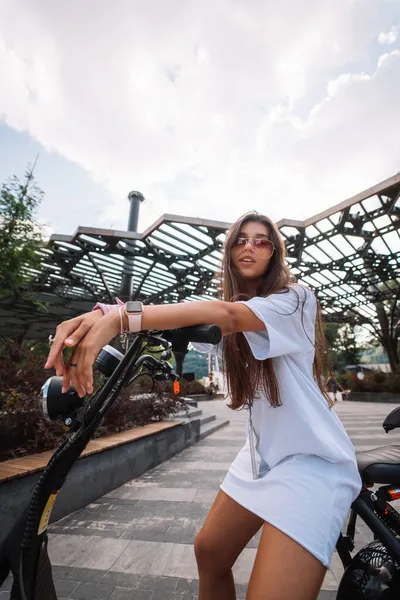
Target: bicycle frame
{"type": "Point", "coordinates": [24, 550]}
{"type": "Point", "coordinates": [380, 517]}
{"type": "Point", "coordinates": [32, 526]}
{"type": "Point", "coordinates": [29, 534]}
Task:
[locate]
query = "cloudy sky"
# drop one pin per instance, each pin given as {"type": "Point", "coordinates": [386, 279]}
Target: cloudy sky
{"type": "Point", "coordinates": [210, 108]}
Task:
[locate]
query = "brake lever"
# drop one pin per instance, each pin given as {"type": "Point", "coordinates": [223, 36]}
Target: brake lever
{"type": "Point", "coordinates": [164, 369]}
{"type": "Point", "coordinates": [149, 361]}
{"type": "Point", "coordinates": [168, 370]}
{"type": "Point", "coordinates": [168, 375]}
{"type": "Point", "coordinates": [158, 339]}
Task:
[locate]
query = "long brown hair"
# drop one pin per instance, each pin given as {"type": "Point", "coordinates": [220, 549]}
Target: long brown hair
{"type": "Point", "coordinates": [259, 375]}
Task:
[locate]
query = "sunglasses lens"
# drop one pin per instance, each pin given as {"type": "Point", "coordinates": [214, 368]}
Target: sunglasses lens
{"type": "Point", "coordinates": [263, 248]}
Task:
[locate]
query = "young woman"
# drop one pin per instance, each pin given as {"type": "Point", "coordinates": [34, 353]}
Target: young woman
{"type": "Point", "coordinates": [296, 476]}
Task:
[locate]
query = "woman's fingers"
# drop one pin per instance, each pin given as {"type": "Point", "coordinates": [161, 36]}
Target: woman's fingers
{"type": "Point", "coordinates": [70, 333]}
{"type": "Point", "coordinates": [70, 372]}
{"type": "Point", "coordinates": [85, 367]}
{"type": "Point", "coordinates": [63, 331]}
{"type": "Point", "coordinates": [85, 354]}
{"type": "Point", "coordinates": [59, 365]}
{"type": "Point", "coordinates": [88, 338]}
{"type": "Point", "coordinates": [73, 372]}
{"type": "Point", "coordinates": [79, 371]}
{"type": "Point", "coordinates": [74, 338]}
{"type": "Point", "coordinates": [66, 381]}
{"type": "Point", "coordinates": [80, 390]}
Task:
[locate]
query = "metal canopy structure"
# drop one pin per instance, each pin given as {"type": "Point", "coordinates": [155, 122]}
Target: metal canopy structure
{"type": "Point", "coordinates": [349, 255]}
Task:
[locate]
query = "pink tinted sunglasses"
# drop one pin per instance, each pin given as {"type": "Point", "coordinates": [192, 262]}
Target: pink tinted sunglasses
{"type": "Point", "coordinates": [261, 246]}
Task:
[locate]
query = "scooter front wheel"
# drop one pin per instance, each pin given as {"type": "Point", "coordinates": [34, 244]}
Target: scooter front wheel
{"type": "Point", "coordinates": [371, 575]}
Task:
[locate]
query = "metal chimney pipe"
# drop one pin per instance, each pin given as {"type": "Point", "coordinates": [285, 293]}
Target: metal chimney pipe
{"type": "Point", "coordinates": [135, 199]}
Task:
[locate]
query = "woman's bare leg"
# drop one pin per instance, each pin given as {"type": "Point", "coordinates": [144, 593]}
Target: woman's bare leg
{"type": "Point", "coordinates": [284, 570]}
{"type": "Point", "coordinates": [226, 531]}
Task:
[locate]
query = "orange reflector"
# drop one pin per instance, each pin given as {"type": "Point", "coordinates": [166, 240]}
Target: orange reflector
{"type": "Point", "coordinates": [177, 387]}
{"type": "Point", "coordinates": [394, 494]}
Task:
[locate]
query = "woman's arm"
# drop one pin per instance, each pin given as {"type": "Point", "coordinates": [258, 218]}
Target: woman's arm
{"type": "Point", "coordinates": [229, 316]}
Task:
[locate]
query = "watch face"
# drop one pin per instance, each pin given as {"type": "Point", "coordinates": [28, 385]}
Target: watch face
{"type": "Point", "coordinates": [134, 306]}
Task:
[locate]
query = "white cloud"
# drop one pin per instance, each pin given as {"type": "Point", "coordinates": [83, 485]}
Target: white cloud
{"type": "Point", "coordinates": [209, 108]}
{"type": "Point", "coordinates": [388, 37]}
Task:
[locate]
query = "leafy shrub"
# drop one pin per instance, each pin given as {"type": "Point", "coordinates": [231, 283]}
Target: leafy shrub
{"type": "Point", "coordinates": [27, 375]}
{"type": "Point", "coordinates": [375, 381]}
{"type": "Point", "coordinates": [136, 410]}
{"type": "Point", "coordinates": [344, 380]}
{"type": "Point", "coordinates": [24, 431]}
{"type": "Point", "coordinates": [187, 387]}
{"type": "Point", "coordinates": [195, 387]}
{"type": "Point", "coordinates": [394, 383]}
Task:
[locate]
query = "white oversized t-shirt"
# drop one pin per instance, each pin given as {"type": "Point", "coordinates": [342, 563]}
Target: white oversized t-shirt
{"type": "Point", "coordinates": [304, 424]}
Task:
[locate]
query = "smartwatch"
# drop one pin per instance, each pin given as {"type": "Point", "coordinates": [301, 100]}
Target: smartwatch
{"type": "Point", "coordinates": [134, 311]}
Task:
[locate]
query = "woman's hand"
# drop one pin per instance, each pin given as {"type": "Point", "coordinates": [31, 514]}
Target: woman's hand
{"type": "Point", "coordinates": [69, 333]}
{"type": "Point", "coordinates": [100, 333]}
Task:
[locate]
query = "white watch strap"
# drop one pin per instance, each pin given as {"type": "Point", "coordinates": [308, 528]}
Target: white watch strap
{"type": "Point", "coordinates": [134, 322]}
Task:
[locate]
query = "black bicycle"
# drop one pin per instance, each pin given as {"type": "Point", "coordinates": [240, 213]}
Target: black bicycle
{"type": "Point", "coordinates": [373, 573]}
{"type": "Point", "coordinates": [24, 551]}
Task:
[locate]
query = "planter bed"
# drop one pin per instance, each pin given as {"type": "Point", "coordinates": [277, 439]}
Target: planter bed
{"type": "Point", "coordinates": [373, 397]}
{"type": "Point", "coordinates": [105, 464]}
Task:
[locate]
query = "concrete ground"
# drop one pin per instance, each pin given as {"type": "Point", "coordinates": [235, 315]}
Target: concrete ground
{"type": "Point", "coordinates": [137, 541]}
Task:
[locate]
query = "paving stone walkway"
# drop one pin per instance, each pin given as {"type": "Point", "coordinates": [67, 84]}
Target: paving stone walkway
{"type": "Point", "coordinates": [136, 543]}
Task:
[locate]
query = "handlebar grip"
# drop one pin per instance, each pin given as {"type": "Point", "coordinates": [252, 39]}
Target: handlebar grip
{"type": "Point", "coordinates": [204, 334]}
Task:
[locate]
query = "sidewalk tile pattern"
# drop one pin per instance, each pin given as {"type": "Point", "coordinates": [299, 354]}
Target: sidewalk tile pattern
{"type": "Point", "coordinates": [136, 542]}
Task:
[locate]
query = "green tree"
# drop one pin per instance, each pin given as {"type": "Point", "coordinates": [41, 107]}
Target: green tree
{"type": "Point", "coordinates": [20, 235]}
{"type": "Point", "coordinates": [197, 363]}
{"type": "Point", "coordinates": [342, 346]}
{"type": "Point", "coordinates": [385, 328]}
{"type": "Point", "coordinates": [21, 242]}
{"type": "Point", "coordinates": [388, 333]}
